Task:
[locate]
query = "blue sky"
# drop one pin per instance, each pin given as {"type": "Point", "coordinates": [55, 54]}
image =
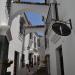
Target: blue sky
{"type": "Point", "coordinates": [34, 18]}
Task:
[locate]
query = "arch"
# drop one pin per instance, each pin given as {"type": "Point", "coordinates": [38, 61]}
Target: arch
{"type": "Point", "coordinates": [18, 8]}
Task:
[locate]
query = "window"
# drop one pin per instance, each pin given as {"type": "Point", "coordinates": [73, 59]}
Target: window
{"type": "Point", "coordinates": [46, 42]}
{"type": "Point", "coordinates": [38, 42]}
{"type": "Point", "coordinates": [30, 35]}
{"type": "Point", "coordinates": [35, 42]}
{"type": "Point", "coordinates": [34, 59]}
{"type": "Point", "coordinates": [30, 59]}
{"type": "Point", "coordinates": [38, 60]}
{"type": "Point", "coordinates": [16, 62]}
{"type": "Point", "coordinates": [21, 29]}
{"type": "Point", "coordinates": [21, 25]}
{"type": "Point", "coordinates": [22, 60]}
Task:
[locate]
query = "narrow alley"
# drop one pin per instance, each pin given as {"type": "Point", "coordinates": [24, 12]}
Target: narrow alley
{"type": "Point", "coordinates": [37, 37]}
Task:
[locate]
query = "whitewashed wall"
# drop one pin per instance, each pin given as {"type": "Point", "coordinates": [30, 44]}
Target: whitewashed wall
{"type": "Point", "coordinates": [3, 13]}
{"type": "Point", "coordinates": [26, 52]}
{"type": "Point", "coordinates": [66, 11]}
{"type": "Point", "coordinates": [15, 44]}
{"type": "Point", "coordinates": [42, 48]}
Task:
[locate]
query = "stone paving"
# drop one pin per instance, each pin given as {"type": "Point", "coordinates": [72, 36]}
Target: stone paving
{"type": "Point", "coordinates": [36, 70]}
{"type": "Point", "coordinates": [41, 71]}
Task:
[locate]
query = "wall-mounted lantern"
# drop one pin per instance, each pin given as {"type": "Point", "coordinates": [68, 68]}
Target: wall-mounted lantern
{"type": "Point", "coordinates": [62, 28]}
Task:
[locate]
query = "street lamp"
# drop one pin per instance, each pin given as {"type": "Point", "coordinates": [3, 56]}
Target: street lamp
{"type": "Point", "coordinates": [62, 28]}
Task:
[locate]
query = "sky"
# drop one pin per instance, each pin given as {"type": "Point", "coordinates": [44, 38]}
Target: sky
{"type": "Point", "coordinates": [35, 18]}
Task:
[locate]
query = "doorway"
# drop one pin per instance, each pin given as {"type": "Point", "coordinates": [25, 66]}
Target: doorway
{"type": "Point", "coordinates": [59, 61]}
{"type": "Point", "coordinates": [31, 59]}
{"type": "Point", "coordinates": [16, 62]}
{"type": "Point", "coordinates": [47, 60]}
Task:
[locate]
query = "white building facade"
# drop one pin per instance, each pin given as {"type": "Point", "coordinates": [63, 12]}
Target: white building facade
{"type": "Point", "coordinates": [61, 48]}
{"type": "Point", "coordinates": [18, 52]}
{"type": "Point", "coordinates": [11, 19]}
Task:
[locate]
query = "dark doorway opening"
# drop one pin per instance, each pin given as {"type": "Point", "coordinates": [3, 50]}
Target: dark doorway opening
{"type": "Point", "coordinates": [30, 59]}
{"type": "Point", "coordinates": [16, 62]}
{"type": "Point", "coordinates": [47, 61]}
{"type": "Point", "coordinates": [59, 60]}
